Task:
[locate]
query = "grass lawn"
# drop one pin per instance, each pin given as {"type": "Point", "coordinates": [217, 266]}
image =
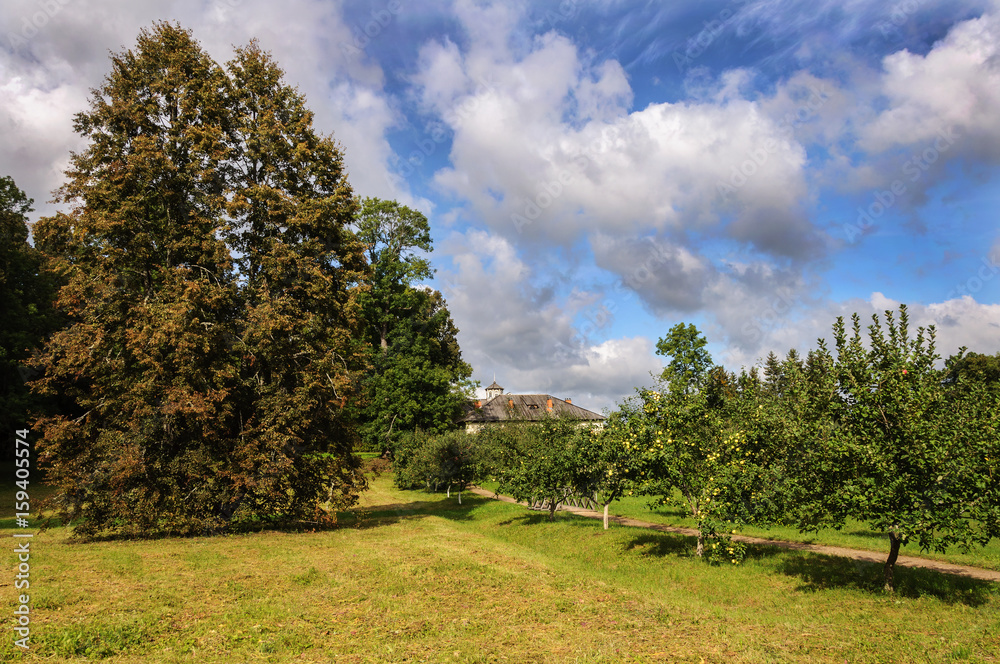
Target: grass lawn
{"type": "Point", "coordinates": [854, 535]}
{"type": "Point", "coordinates": [414, 577]}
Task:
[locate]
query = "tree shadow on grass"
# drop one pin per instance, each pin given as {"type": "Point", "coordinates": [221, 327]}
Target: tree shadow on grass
{"type": "Point", "coordinates": [536, 517]}
{"type": "Point", "coordinates": [389, 513]}
{"type": "Point", "coordinates": [658, 545]}
{"type": "Point", "coordinates": [665, 544]}
{"type": "Point", "coordinates": [819, 572]}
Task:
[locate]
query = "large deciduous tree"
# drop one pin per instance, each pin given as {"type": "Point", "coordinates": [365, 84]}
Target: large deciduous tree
{"type": "Point", "coordinates": [26, 294]}
{"type": "Point", "coordinates": [211, 300]}
{"type": "Point", "coordinates": [299, 268]}
{"type": "Point", "coordinates": [417, 379]}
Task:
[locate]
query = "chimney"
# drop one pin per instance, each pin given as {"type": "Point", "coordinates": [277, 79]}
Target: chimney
{"type": "Point", "coordinates": [568, 400]}
{"type": "Point", "coordinates": [510, 403]}
{"type": "Point", "coordinates": [548, 405]}
{"type": "Point", "coordinates": [479, 404]}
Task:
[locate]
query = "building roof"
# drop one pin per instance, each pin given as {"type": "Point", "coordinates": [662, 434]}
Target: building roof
{"type": "Point", "coordinates": [494, 386]}
{"type": "Point", "coordinates": [526, 407]}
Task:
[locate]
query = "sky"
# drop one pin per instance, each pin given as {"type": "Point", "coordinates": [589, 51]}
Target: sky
{"type": "Point", "coordinates": [596, 172]}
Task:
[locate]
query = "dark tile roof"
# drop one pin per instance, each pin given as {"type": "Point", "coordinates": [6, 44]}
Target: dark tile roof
{"type": "Point", "coordinates": [525, 407]}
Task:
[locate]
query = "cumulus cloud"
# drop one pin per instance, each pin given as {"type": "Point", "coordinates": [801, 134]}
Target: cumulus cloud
{"type": "Point", "coordinates": [958, 322]}
{"type": "Point", "coordinates": [512, 322]}
{"type": "Point", "coordinates": [610, 372]}
{"type": "Point", "coordinates": [37, 127]}
{"type": "Point", "coordinates": [924, 112]}
{"type": "Point", "coordinates": [569, 157]}
{"type": "Point", "coordinates": [668, 277]}
{"type": "Point", "coordinates": [956, 85]}
{"type": "Point", "coordinates": [48, 71]}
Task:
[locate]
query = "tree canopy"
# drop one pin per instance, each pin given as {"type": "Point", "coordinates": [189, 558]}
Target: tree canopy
{"type": "Point", "coordinates": [212, 299]}
{"type": "Point", "coordinates": [899, 454]}
{"type": "Point", "coordinates": [689, 361]}
{"type": "Point", "coordinates": [417, 379]}
{"type": "Point", "coordinates": [26, 294]}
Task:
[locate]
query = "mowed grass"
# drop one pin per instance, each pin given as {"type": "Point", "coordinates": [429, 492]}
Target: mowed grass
{"type": "Point", "coordinates": [414, 577]}
{"type": "Point", "coordinates": [854, 535]}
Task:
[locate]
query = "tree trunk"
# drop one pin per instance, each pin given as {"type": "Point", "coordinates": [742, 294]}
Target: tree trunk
{"type": "Point", "coordinates": [552, 509]}
{"type": "Point", "coordinates": [695, 512]}
{"type": "Point", "coordinates": [459, 496]}
{"type": "Point", "coordinates": [890, 563]}
{"type": "Point", "coordinates": [606, 506]}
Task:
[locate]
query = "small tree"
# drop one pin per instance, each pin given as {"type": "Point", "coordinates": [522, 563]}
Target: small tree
{"type": "Point", "coordinates": [608, 463]}
{"type": "Point", "coordinates": [451, 459]}
{"type": "Point", "coordinates": [678, 434]}
{"type": "Point", "coordinates": [690, 441]}
{"type": "Point", "coordinates": [903, 457]}
{"type": "Point", "coordinates": [458, 461]}
{"type": "Point", "coordinates": [540, 462]}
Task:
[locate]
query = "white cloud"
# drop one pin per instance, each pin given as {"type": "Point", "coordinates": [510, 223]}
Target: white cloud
{"type": "Point", "coordinates": [566, 157]}
{"type": "Point", "coordinates": [512, 323]}
{"type": "Point", "coordinates": [47, 78]}
{"type": "Point", "coordinates": [37, 128]}
{"type": "Point", "coordinates": [956, 85]}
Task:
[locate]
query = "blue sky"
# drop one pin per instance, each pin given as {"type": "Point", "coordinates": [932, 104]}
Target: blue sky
{"type": "Point", "coordinates": [596, 172]}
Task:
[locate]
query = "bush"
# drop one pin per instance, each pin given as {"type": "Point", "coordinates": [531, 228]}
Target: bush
{"type": "Point", "coordinates": [429, 462]}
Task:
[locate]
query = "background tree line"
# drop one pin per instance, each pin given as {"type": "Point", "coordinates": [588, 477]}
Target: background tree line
{"type": "Point", "coordinates": [875, 431]}
{"type": "Point", "coordinates": [218, 321]}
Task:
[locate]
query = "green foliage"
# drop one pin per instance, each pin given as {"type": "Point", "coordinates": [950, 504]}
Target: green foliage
{"type": "Point", "coordinates": [451, 459]}
{"type": "Point", "coordinates": [689, 361]}
{"type": "Point", "coordinates": [703, 438]}
{"type": "Point", "coordinates": [540, 462]}
{"type": "Point", "coordinates": [689, 452]}
{"type": "Point", "coordinates": [417, 378]}
{"type": "Point", "coordinates": [26, 294]}
{"type": "Point", "coordinates": [204, 389]}
{"type": "Point", "coordinates": [967, 372]}
{"type": "Point", "coordinates": [877, 434]}
{"type": "Point", "coordinates": [900, 451]}
{"type": "Point", "coordinates": [607, 466]}
{"type": "Point", "coordinates": [392, 234]}
{"type": "Point", "coordinates": [406, 450]}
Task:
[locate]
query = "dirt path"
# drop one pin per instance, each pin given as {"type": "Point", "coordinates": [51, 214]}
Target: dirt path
{"type": "Point", "coordinates": [856, 554]}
